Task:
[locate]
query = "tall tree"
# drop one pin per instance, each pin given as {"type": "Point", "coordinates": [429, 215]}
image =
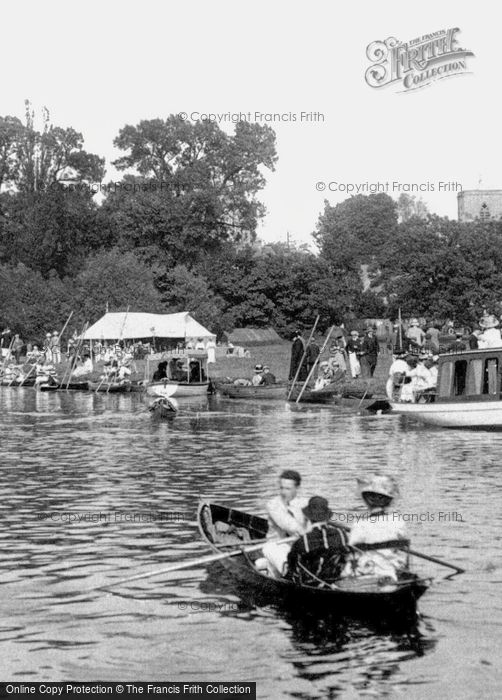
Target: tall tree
{"type": "Point", "coordinates": [356, 230]}
{"type": "Point", "coordinates": [201, 185]}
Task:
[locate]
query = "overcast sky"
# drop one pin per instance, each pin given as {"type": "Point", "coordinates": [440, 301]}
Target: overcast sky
{"type": "Point", "coordinates": [100, 65]}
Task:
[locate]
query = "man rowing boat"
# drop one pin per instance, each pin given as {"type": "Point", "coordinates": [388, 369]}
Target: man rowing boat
{"type": "Point", "coordinates": [285, 518]}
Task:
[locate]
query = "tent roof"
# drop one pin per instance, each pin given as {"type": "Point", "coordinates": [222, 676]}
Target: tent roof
{"type": "Point", "coordinates": [126, 326]}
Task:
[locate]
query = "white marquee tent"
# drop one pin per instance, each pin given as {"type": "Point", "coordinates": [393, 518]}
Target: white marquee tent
{"type": "Point", "coordinates": [135, 326]}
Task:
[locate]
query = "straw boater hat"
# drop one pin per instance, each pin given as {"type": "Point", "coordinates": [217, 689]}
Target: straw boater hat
{"type": "Point", "coordinates": [258, 368]}
{"type": "Point", "coordinates": [382, 485]}
{"type": "Point", "coordinates": [488, 321]}
{"type": "Point", "coordinates": [317, 510]}
{"type": "Point", "coordinates": [414, 322]}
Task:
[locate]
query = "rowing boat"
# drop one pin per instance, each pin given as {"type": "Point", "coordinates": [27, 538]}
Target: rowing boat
{"type": "Point", "coordinates": [110, 387]}
{"type": "Point", "coordinates": [266, 391]}
{"type": "Point", "coordinates": [324, 395]}
{"type": "Point", "coordinates": [18, 382]}
{"type": "Point", "coordinates": [361, 597]}
{"type": "Point", "coordinates": [71, 386]}
{"type": "Point", "coordinates": [163, 407]}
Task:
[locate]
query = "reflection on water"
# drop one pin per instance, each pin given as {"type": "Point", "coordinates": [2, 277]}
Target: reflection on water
{"type": "Point", "coordinates": [102, 457]}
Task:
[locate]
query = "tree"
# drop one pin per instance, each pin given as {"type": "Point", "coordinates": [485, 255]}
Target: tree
{"type": "Point", "coordinates": [356, 231]}
{"type": "Point", "coordinates": [441, 268]}
{"type": "Point", "coordinates": [31, 305]}
{"type": "Point", "coordinates": [200, 186]}
{"type": "Point", "coordinates": [112, 279]}
{"type": "Point", "coordinates": [49, 230]}
{"type": "Point", "coordinates": [11, 129]}
{"type": "Point", "coordinates": [183, 290]}
{"type": "Point", "coordinates": [46, 158]}
{"type": "Point", "coordinates": [408, 206]}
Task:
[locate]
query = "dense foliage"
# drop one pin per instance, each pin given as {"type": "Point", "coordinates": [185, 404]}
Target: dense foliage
{"type": "Point", "coordinates": [179, 233]}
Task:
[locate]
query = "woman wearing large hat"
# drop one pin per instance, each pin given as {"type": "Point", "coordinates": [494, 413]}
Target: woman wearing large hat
{"type": "Point", "coordinates": [490, 336]}
{"type": "Point", "coordinates": [378, 526]}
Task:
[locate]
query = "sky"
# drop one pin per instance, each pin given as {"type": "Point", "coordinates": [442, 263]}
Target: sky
{"type": "Point", "coordinates": [100, 65]}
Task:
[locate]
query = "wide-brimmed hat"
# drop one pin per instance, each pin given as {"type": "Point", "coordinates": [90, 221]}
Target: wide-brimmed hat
{"type": "Point", "coordinates": [489, 321]}
{"type": "Point", "coordinates": [414, 322]}
{"type": "Point", "coordinates": [354, 332]}
{"type": "Point", "coordinates": [317, 510]}
{"type": "Point", "coordinates": [382, 485]}
{"type": "Point", "coordinates": [258, 368]}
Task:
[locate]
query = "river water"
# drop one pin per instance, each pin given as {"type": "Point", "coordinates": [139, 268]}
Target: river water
{"type": "Point", "coordinates": [134, 483]}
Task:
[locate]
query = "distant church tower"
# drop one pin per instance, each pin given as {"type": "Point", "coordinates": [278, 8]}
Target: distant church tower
{"type": "Point", "coordinates": [479, 204]}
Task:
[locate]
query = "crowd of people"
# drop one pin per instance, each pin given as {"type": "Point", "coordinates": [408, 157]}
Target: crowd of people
{"type": "Point", "coordinates": [321, 551]}
{"type": "Point", "coordinates": [21, 361]}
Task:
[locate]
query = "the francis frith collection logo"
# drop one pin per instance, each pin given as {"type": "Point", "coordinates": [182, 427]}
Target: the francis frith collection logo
{"type": "Point", "coordinates": [418, 62]}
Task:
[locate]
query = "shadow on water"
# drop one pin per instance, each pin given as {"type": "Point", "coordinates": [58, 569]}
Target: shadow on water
{"type": "Point", "coordinates": [326, 644]}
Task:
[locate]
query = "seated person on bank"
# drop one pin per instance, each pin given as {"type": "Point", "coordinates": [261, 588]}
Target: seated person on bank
{"type": "Point", "coordinates": [319, 555]}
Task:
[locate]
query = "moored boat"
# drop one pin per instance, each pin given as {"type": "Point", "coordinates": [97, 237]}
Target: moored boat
{"type": "Point", "coordinates": [71, 386]}
{"type": "Point", "coordinates": [30, 381]}
{"type": "Point", "coordinates": [185, 375]}
{"type": "Point", "coordinates": [221, 526]}
{"type": "Point", "coordinates": [311, 395]}
{"type": "Point", "coordinates": [266, 391]}
{"type": "Point", "coordinates": [121, 387]}
{"type": "Point", "coordinates": [468, 393]}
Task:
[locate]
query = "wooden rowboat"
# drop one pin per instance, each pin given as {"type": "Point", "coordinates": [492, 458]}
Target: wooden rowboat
{"type": "Point", "coordinates": [163, 407]}
{"type": "Point", "coordinates": [266, 391]}
{"type": "Point", "coordinates": [310, 395]}
{"type": "Point", "coordinates": [363, 597]}
{"type": "Point", "coordinates": [30, 381]}
{"type": "Point", "coordinates": [110, 387]}
{"type": "Point", "coordinates": [72, 386]}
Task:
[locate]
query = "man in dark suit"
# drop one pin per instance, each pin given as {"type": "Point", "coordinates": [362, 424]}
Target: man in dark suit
{"type": "Point", "coordinates": [297, 350]}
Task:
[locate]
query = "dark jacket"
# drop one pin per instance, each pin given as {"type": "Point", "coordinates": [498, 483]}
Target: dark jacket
{"type": "Point", "coordinates": [370, 346]}
{"type": "Point", "coordinates": [321, 552]}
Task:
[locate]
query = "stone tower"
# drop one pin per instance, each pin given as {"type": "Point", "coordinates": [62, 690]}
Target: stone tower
{"type": "Point", "coordinates": [479, 204]}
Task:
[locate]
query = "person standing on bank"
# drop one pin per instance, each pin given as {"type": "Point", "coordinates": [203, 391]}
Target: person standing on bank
{"type": "Point", "coordinates": [17, 347]}
{"type": "Point", "coordinates": [285, 518]}
{"type": "Point", "coordinates": [297, 350]}
{"type": "Point", "coordinates": [311, 355]}
{"type": "Point", "coordinates": [355, 352]}
{"type": "Point", "coordinates": [369, 356]}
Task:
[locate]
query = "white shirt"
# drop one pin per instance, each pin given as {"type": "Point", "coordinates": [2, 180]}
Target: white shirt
{"type": "Point", "coordinates": [286, 518]}
{"type": "Point", "coordinates": [490, 338]}
{"type": "Point", "coordinates": [377, 562]}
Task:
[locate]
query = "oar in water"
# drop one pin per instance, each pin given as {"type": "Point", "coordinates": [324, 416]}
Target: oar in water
{"type": "Point", "coordinates": [193, 562]}
{"type": "Point", "coordinates": [414, 553]}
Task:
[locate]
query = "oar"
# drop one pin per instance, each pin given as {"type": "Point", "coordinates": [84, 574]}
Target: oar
{"type": "Point", "coordinates": [193, 562]}
{"type": "Point", "coordinates": [303, 358]}
{"type": "Point", "coordinates": [298, 398]}
{"type": "Point", "coordinates": [414, 553]}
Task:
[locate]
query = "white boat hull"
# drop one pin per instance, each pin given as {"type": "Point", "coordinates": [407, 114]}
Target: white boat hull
{"type": "Point", "coordinates": [472, 414]}
{"type": "Point", "coordinates": [178, 389]}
